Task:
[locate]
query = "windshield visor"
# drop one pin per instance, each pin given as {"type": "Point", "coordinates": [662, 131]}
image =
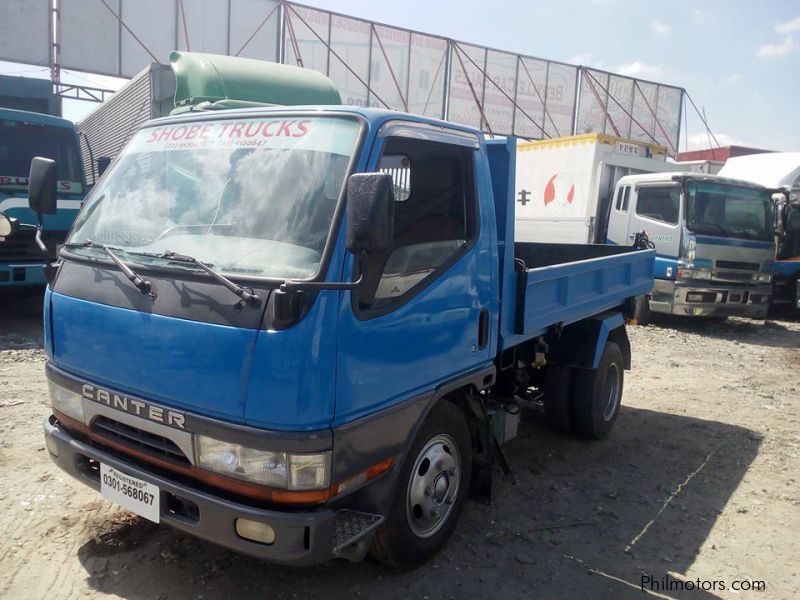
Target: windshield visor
{"type": "Point", "coordinates": [20, 142]}
{"type": "Point", "coordinates": [729, 211]}
{"type": "Point", "coordinates": [252, 197]}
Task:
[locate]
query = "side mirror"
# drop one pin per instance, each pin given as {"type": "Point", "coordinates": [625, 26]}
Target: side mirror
{"type": "Point", "coordinates": [102, 164]}
{"type": "Point", "coordinates": [42, 186]}
{"type": "Point", "coordinates": [370, 213]}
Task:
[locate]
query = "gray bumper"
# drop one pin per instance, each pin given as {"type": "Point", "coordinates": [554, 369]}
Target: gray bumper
{"type": "Point", "coordinates": [301, 538]}
{"type": "Point", "coordinates": [708, 299]}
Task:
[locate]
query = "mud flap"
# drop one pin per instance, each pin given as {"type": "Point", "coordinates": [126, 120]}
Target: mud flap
{"type": "Point", "coordinates": [486, 449]}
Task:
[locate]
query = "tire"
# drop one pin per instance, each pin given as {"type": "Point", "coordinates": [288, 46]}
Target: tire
{"type": "Point", "coordinates": [558, 386]}
{"type": "Point", "coordinates": [598, 394]}
{"type": "Point", "coordinates": [411, 534]}
{"type": "Point", "coordinates": [641, 311]}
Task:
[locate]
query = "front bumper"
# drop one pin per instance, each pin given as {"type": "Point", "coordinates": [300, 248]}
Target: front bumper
{"type": "Point", "coordinates": [22, 273]}
{"type": "Point", "coordinates": [702, 299]}
{"type": "Point", "coordinates": [301, 538]}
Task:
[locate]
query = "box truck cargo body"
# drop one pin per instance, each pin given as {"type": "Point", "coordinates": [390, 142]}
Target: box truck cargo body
{"type": "Point", "coordinates": [564, 186]}
{"type": "Point", "coordinates": [106, 130]}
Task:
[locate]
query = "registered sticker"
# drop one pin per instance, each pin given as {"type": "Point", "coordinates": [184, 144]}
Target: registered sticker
{"type": "Point", "coordinates": [130, 493]}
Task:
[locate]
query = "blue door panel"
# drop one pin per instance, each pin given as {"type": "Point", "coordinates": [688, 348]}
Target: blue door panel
{"type": "Point", "coordinates": [428, 340]}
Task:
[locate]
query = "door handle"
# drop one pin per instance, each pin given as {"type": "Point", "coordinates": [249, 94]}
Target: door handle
{"type": "Point", "coordinates": [483, 328]}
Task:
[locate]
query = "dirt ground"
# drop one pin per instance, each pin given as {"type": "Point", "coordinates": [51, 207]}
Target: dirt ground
{"type": "Point", "coordinates": [699, 480]}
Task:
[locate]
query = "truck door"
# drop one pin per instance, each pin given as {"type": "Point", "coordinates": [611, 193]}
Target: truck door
{"type": "Point", "coordinates": [619, 217]}
{"type": "Point", "coordinates": [656, 209]}
{"type": "Point", "coordinates": [427, 321]}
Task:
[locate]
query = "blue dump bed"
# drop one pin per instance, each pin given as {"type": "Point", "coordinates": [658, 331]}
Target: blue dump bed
{"type": "Point", "coordinates": [546, 285]}
{"type": "Point", "coordinates": [565, 283]}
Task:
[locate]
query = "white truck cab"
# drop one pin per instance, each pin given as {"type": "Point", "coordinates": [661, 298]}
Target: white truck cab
{"type": "Point", "coordinates": [714, 238]}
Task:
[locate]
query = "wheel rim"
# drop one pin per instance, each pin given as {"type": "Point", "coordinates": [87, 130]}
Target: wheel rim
{"type": "Point", "coordinates": [433, 486]}
{"type": "Point", "coordinates": [611, 391]}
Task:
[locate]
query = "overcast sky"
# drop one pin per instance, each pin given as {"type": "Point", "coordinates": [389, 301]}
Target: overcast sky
{"type": "Point", "coordinates": [738, 59]}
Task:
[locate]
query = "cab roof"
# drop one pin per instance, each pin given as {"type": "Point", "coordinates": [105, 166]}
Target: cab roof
{"type": "Point", "coordinates": [374, 116]}
{"type": "Point", "coordinates": [687, 176]}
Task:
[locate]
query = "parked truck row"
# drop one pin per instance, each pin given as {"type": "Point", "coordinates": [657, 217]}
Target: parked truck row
{"type": "Point", "coordinates": [305, 331]}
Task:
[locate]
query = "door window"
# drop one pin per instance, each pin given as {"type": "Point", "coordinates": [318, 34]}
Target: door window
{"type": "Point", "coordinates": [435, 216]}
{"type": "Point", "coordinates": [623, 193]}
{"type": "Point", "coordinates": [659, 203]}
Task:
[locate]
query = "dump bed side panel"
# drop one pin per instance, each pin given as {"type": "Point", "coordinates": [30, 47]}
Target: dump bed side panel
{"type": "Point", "coordinates": [568, 292]}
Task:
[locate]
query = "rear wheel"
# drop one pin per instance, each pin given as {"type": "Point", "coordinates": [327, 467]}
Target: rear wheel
{"type": "Point", "coordinates": [431, 490]}
{"type": "Point", "coordinates": [598, 394]}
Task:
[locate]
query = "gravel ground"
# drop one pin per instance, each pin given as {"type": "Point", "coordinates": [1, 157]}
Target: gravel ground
{"type": "Point", "coordinates": [699, 480]}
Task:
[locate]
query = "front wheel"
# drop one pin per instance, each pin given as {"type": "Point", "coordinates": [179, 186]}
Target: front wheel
{"type": "Point", "coordinates": [431, 491]}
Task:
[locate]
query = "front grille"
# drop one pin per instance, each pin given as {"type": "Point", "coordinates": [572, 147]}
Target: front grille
{"type": "Point", "coordinates": [137, 439]}
{"type": "Point", "coordinates": [22, 247]}
{"type": "Point", "coordinates": [732, 264]}
{"type": "Point", "coordinates": [737, 276]}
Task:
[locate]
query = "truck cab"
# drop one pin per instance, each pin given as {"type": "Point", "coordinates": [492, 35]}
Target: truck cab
{"type": "Point", "coordinates": [714, 238]}
{"type": "Point", "coordinates": [23, 136]}
{"type": "Point", "coordinates": [779, 171]}
{"type": "Point", "coordinates": [786, 278]}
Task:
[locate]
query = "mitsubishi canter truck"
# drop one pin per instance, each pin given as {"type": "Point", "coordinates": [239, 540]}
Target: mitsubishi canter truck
{"type": "Point", "coordinates": [304, 332]}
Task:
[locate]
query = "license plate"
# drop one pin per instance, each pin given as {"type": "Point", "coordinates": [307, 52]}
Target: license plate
{"type": "Point", "coordinates": [131, 493]}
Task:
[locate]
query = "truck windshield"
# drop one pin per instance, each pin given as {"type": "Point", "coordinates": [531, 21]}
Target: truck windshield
{"type": "Point", "coordinates": [252, 197]}
{"type": "Point", "coordinates": [728, 210]}
{"type": "Point", "coordinates": [21, 141]}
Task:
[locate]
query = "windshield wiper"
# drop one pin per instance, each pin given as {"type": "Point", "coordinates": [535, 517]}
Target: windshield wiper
{"type": "Point", "coordinates": [142, 284]}
{"type": "Point", "coordinates": [246, 294]}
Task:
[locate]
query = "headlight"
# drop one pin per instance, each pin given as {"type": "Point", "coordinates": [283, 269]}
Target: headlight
{"type": "Point", "coordinates": [704, 274]}
{"type": "Point", "coordinates": [762, 277]}
{"type": "Point", "coordinates": [66, 401]}
{"type": "Point", "coordinates": [275, 469]}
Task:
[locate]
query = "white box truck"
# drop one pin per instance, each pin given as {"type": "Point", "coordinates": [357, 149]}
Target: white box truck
{"type": "Point", "coordinates": [564, 186]}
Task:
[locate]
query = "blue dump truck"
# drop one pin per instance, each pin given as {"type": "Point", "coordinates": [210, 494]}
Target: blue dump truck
{"type": "Point", "coordinates": [304, 332]}
{"type": "Point", "coordinates": [24, 135]}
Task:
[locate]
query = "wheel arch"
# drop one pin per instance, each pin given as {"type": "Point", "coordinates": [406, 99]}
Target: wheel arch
{"type": "Point", "coordinates": [581, 344]}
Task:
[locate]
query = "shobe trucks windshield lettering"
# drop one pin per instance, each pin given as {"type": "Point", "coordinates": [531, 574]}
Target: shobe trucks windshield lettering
{"type": "Point", "coordinates": [714, 236]}
{"type": "Point", "coordinates": [336, 333]}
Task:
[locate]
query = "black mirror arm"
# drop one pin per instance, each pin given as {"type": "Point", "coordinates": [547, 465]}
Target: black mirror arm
{"type": "Point", "coordinates": [38, 238]}
{"type": "Point", "coordinates": [289, 286]}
